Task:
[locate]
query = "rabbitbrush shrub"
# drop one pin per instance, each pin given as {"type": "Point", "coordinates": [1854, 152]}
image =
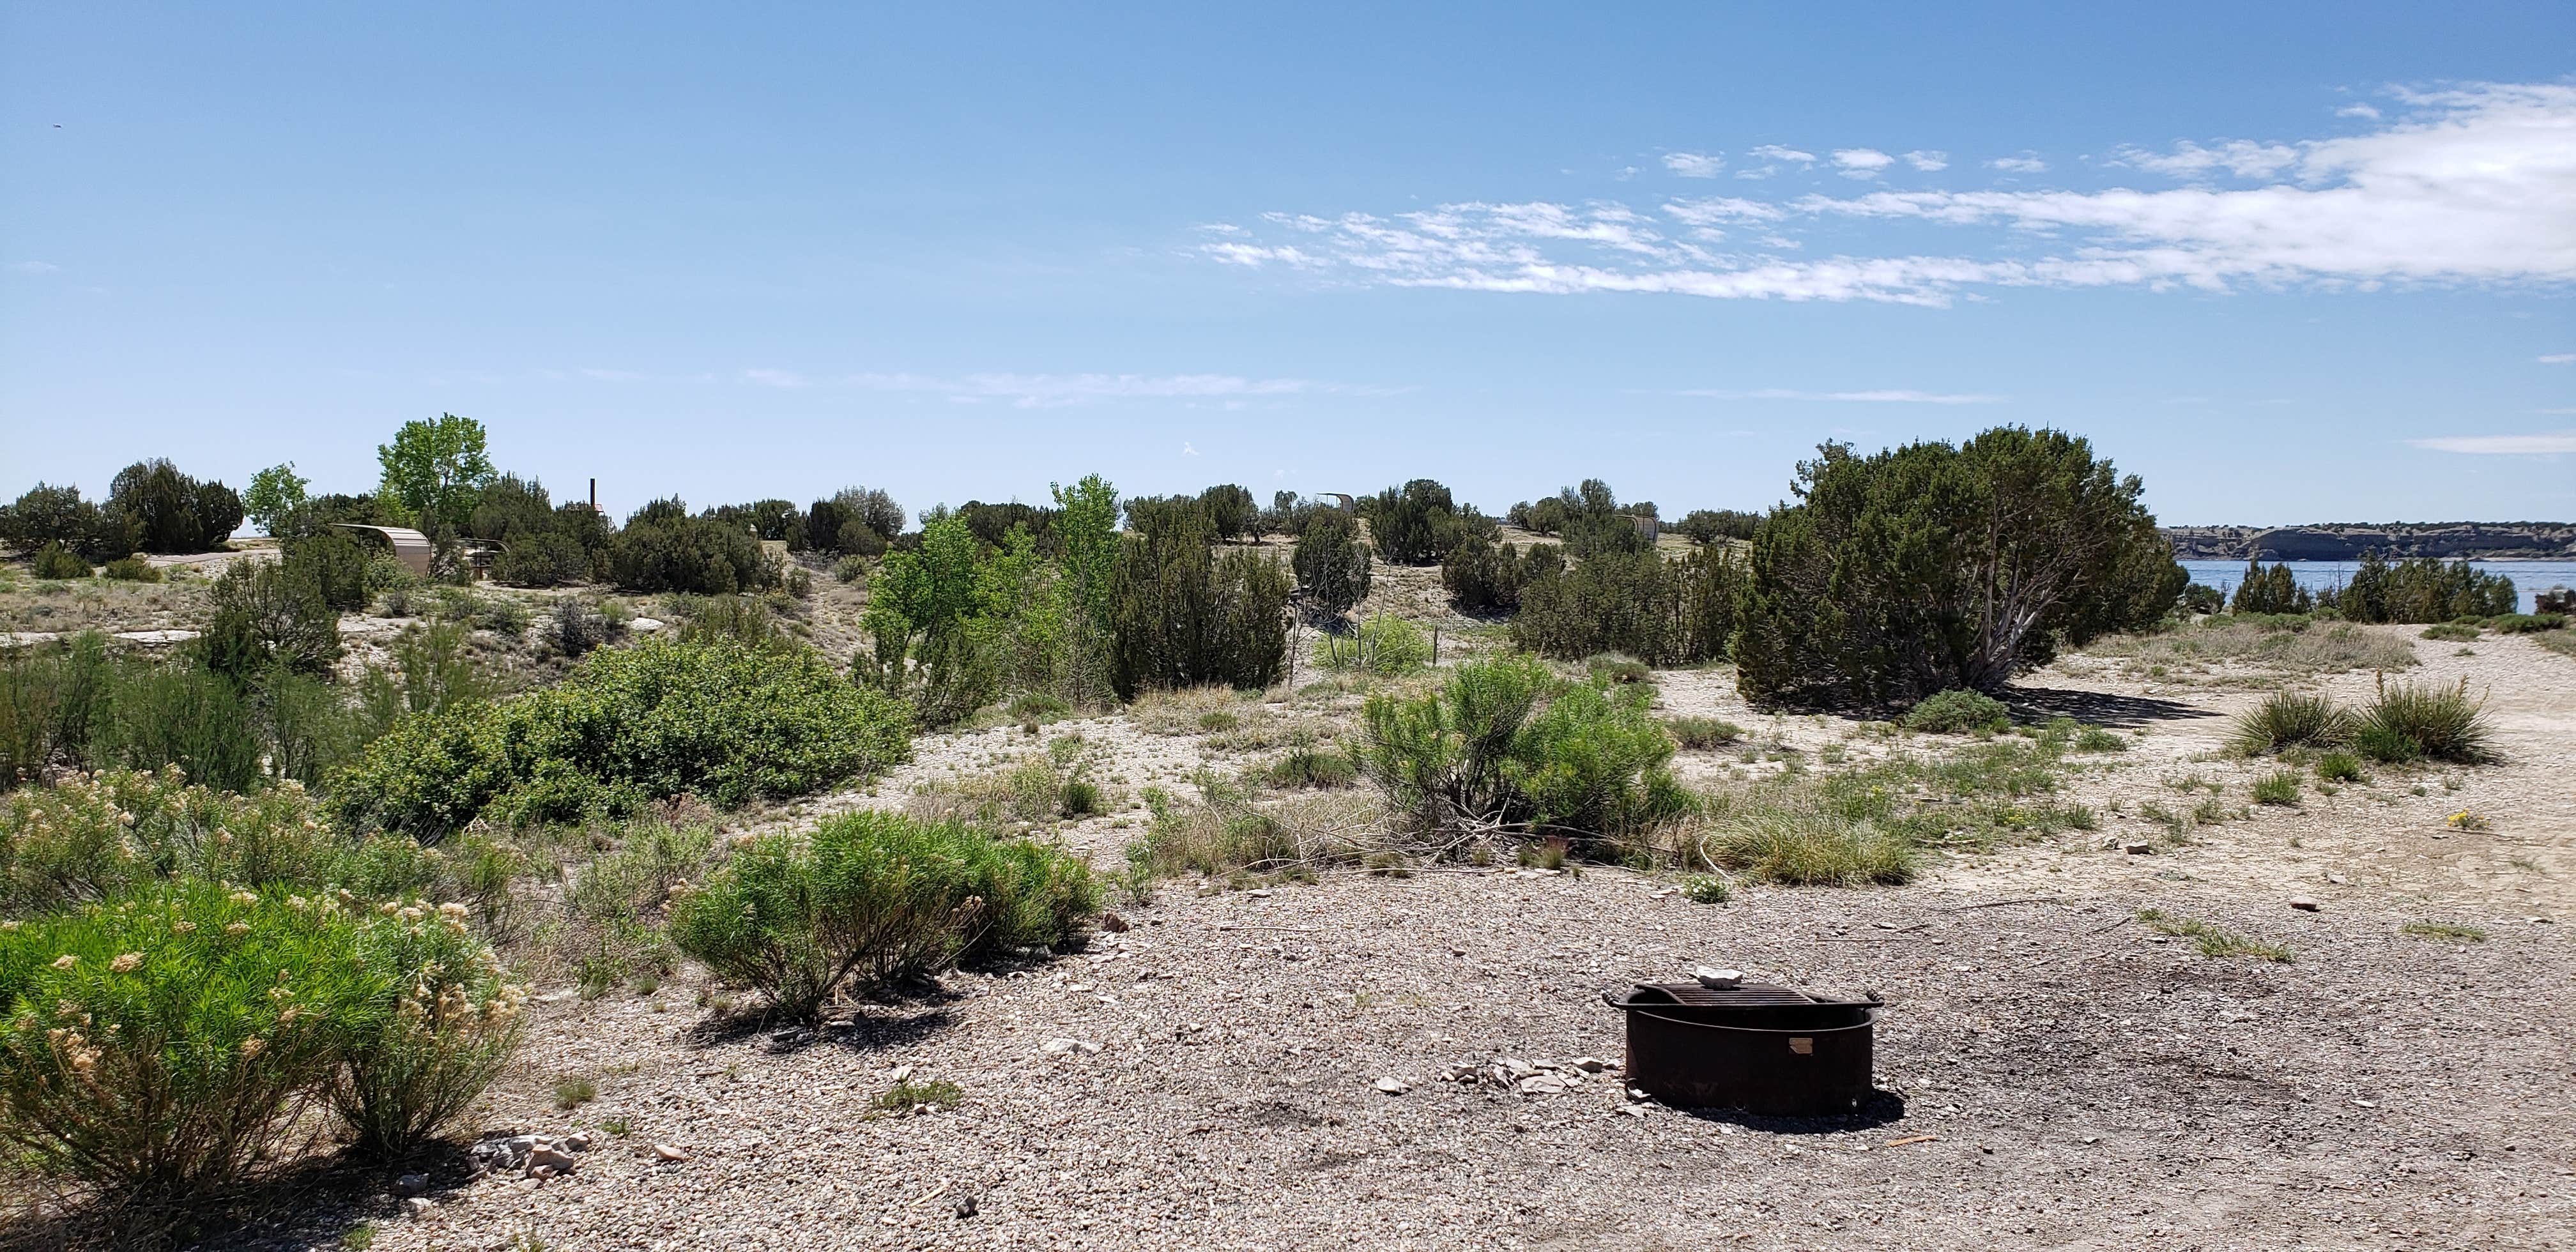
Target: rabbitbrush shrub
{"type": "Point", "coordinates": [872, 897]}
{"type": "Point", "coordinates": [717, 718]}
{"type": "Point", "coordinates": [162, 1045]}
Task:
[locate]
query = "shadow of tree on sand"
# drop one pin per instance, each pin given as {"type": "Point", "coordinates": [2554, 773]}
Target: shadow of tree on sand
{"type": "Point", "coordinates": [2098, 707]}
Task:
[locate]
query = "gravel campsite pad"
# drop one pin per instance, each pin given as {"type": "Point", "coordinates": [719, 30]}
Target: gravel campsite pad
{"type": "Point", "coordinates": [1426, 1061]}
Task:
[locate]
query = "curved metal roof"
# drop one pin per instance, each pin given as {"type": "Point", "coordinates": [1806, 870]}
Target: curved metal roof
{"type": "Point", "coordinates": [411, 547]}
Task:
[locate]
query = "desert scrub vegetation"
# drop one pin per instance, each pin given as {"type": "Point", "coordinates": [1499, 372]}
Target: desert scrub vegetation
{"type": "Point", "coordinates": [1956, 712]}
{"type": "Point", "coordinates": [870, 899]}
{"type": "Point", "coordinates": [1380, 645]}
{"type": "Point", "coordinates": [1889, 582]}
{"type": "Point", "coordinates": [1232, 831]}
{"type": "Point", "coordinates": [1040, 787]}
{"type": "Point", "coordinates": [1668, 612]}
{"type": "Point", "coordinates": [1704, 734]}
{"type": "Point", "coordinates": [2417, 590]}
{"type": "Point", "coordinates": [1503, 748]}
{"type": "Point", "coordinates": [1331, 562]}
{"type": "Point", "coordinates": [723, 720]}
{"type": "Point", "coordinates": [2286, 645]}
{"type": "Point", "coordinates": [2411, 721]}
{"type": "Point", "coordinates": [2289, 719]}
{"type": "Point", "coordinates": [2445, 931]}
{"type": "Point", "coordinates": [165, 1047]}
{"type": "Point", "coordinates": [2278, 787]}
{"type": "Point", "coordinates": [2212, 941]}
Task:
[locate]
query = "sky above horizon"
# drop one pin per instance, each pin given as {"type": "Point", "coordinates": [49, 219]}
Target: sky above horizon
{"type": "Point", "coordinates": [2287, 263]}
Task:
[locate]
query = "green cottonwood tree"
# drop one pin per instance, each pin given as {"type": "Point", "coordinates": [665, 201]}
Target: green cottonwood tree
{"type": "Point", "coordinates": [274, 493]}
{"type": "Point", "coordinates": [435, 470]}
{"type": "Point", "coordinates": [1931, 567]}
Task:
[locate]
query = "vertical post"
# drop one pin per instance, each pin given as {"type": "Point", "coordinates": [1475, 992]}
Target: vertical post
{"type": "Point", "coordinates": [594, 495]}
{"type": "Point", "coordinates": [1435, 645]}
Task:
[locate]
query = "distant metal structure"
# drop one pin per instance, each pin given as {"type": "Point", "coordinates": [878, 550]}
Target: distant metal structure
{"type": "Point", "coordinates": [1350, 504]}
{"type": "Point", "coordinates": [411, 547]}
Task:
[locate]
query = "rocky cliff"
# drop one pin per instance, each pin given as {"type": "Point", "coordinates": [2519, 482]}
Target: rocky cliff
{"type": "Point", "coordinates": [2345, 543]}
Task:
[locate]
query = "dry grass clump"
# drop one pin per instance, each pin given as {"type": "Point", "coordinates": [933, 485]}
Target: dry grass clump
{"type": "Point", "coordinates": [1702, 734]}
{"type": "Point", "coordinates": [2213, 941]}
{"type": "Point", "coordinates": [1232, 829]}
{"type": "Point", "coordinates": [1192, 710]}
{"type": "Point", "coordinates": [1039, 787]}
{"type": "Point", "coordinates": [2562, 642]}
{"type": "Point", "coordinates": [2287, 645]}
{"type": "Point", "coordinates": [1791, 836]}
{"type": "Point", "coordinates": [2289, 719]}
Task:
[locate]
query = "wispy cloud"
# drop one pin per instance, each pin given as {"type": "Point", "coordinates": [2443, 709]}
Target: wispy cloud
{"type": "Point", "coordinates": [1850, 397]}
{"type": "Point", "coordinates": [1772, 156]}
{"type": "Point", "coordinates": [1694, 164]}
{"type": "Point", "coordinates": [2468, 186]}
{"type": "Point", "coordinates": [774, 378]}
{"type": "Point", "coordinates": [1037, 391]}
{"type": "Point", "coordinates": [2558, 358]}
{"type": "Point", "coordinates": [1928, 161]}
{"type": "Point", "coordinates": [34, 267]}
{"type": "Point", "coordinates": [2550, 444]}
{"type": "Point", "coordinates": [2358, 110]}
{"type": "Point", "coordinates": [2023, 164]}
{"type": "Point", "coordinates": [1861, 162]}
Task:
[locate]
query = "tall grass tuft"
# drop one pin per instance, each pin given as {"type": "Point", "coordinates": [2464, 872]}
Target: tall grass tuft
{"type": "Point", "coordinates": [2425, 721]}
{"type": "Point", "coordinates": [2289, 719]}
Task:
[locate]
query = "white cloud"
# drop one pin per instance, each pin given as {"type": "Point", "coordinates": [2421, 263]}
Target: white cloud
{"type": "Point", "coordinates": [1861, 162]}
{"type": "Point", "coordinates": [1774, 152]}
{"type": "Point", "coordinates": [2469, 186]}
{"type": "Point", "coordinates": [2189, 160]}
{"type": "Point", "coordinates": [1928, 160]}
{"type": "Point", "coordinates": [1850, 397]}
{"type": "Point", "coordinates": [2358, 110]}
{"type": "Point", "coordinates": [1694, 164]}
{"type": "Point", "coordinates": [34, 267]}
{"type": "Point", "coordinates": [2024, 164]}
{"type": "Point", "coordinates": [2503, 445]}
{"type": "Point", "coordinates": [774, 378]}
{"type": "Point", "coordinates": [2559, 358]}
{"type": "Point", "coordinates": [1187, 450]}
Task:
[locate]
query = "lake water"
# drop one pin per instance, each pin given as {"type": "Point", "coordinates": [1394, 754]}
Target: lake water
{"type": "Point", "coordinates": [2530, 578]}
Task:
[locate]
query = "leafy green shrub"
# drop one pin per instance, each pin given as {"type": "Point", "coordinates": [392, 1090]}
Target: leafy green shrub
{"type": "Point", "coordinates": [1331, 564]}
{"type": "Point", "coordinates": [2278, 787]}
{"type": "Point", "coordinates": [2339, 766]}
{"type": "Point", "coordinates": [743, 619]}
{"type": "Point", "coordinates": [1380, 645]}
{"type": "Point", "coordinates": [2411, 721]}
{"type": "Point", "coordinates": [131, 569]}
{"type": "Point", "coordinates": [448, 1021]}
{"type": "Point", "coordinates": [2526, 623]}
{"type": "Point", "coordinates": [2098, 739]}
{"type": "Point", "coordinates": [1957, 711]}
{"type": "Point", "coordinates": [873, 897]}
{"type": "Point", "coordinates": [850, 569]}
{"type": "Point", "coordinates": [1311, 768]}
{"type": "Point", "coordinates": [1617, 670]}
{"type": "Point", "coordinates": [1418, 523]}
{"type": "Point", "coordinates": [2270, 590]}
{"type": "Point", "coordinates": [51, 697]}
{"type": "Point", "coordinates": [612, 904]}
{"type": "Point", "coordinates": [1503, 744]}
{"type": "Point", "coordinates": [1888, 583]}
{"type": "Point", "coordinates": [1707, 889]}
{"type": "Point", "coordinates": [856, 521]}
{"type": "Point", "coordinates": [2289, 719]}
{"type": "Point", "coordinates": [547, 559]}
{"type": "Point", "coordinates": [165, 1074]}
{"type": "Point", "coordinates": [1701, 734]}
{"type": "Point", "coordinates": [717, 718]}
{"type": "Point", "coordinates": [52, 561]}
{"type": "Point", "coordinates": [1710, 525]}
{"type": "Point", "coordinates": [180, 713]}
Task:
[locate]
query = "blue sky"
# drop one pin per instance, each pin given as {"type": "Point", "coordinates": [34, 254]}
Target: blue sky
{"type": "Point", "coordinates": [2286, 262]}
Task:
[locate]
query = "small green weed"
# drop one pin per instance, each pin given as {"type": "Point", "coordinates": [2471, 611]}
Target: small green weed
{"type": "Point", "coordinates": [2213, 941]}
{"type": "Point", "coordinates": [2445, 931]}
{"type": "Point", "coordinates": [575, 1091]}
{"type": "Point", "coordinates": [2277, 787]}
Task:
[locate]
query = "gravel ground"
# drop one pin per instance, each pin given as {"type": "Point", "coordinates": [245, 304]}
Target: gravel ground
{"type": "Point", "coordinates": [2054, 1073]}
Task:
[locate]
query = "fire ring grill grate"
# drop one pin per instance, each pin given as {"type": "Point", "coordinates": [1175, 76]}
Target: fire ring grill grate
{"type": "Point", "coordinates": [1756, 1047]}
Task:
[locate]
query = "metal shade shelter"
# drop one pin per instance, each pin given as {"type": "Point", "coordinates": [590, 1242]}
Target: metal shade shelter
{"type": "Point", "coordinates": [410, 546]}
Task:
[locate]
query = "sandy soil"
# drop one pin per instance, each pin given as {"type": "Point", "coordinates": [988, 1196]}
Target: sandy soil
{"type": "Point", "coordinates": [2053, 1073]}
